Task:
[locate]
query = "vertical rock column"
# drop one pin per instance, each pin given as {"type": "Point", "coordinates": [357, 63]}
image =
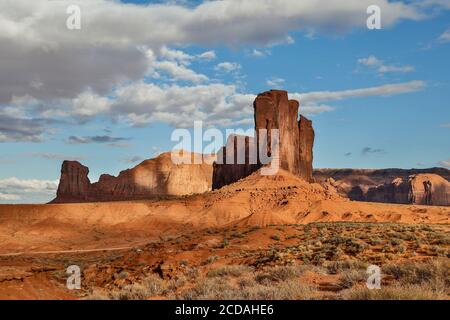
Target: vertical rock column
{"type": "Point", "coordinates": [306, 143]}
{"type": "Point", "coordinates": [74, 184]}
{"type": "Point", "coordinates": [273, 110]}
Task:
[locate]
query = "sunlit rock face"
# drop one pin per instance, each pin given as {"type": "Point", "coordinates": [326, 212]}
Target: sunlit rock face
{"type": "Point", "coordinates": [273, 110]}
{"type": "Point", "coordinates": [155, 177]}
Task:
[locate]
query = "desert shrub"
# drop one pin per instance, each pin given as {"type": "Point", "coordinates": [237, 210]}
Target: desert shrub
{"type": "Point", "coordinates": [434, 273]}
{"type": "Point", "coordinates": [228, 270]}
{"type": "Point", "coordinates": [209, 289]}
{"type": "Point", "coordinates": [286, 290]}
{"type": "Point", "coordinates": [98, 295]}
{"type": "Point", "coordinates": [210, 260]}
{"type": "Point", "coordinates": [218, 289]}
{"type": "Point", "coordinates": [225, 243]}
{"type": "Point", "coordinates": [410, 292]}
{"type": "Point", "coordinates": [336, 267]}
{"type": "Point", "coordinates": [279, 273]}
{"type": "Point", "coordinates": [349, 278]}
{"type": "Point", "coordinates": [150, 286]}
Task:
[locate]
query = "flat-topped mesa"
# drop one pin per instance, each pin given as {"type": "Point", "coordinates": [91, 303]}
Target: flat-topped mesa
{"type": "Point", "coordinates": [273, 110]}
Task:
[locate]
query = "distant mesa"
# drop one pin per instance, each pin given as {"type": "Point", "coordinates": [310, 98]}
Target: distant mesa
{"type": "Point", "coordinates": [408, 186]}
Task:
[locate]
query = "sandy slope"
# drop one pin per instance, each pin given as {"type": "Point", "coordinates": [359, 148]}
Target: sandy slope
{"type": "Point", "coordinates": [256, 200]}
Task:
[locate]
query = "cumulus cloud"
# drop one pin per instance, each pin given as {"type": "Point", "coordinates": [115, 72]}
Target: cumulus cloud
{"type": "Point", "coordinates": [227, 67]}
{"type": "Point", "coordinates": [14, 127]}
{"type": "Point", "coordinates": [17, 190]}
{"type": "Point", "coordinates": [46, 60]}
{"type": "Point", "coordinates": [380, 67]}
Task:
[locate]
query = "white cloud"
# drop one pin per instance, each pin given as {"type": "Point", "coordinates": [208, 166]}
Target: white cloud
{"type": "Point", "coordinates": [4, 196]}
{"type": "Point", "coordinates": [383, 90]}
{"type": "Point", "coordinates": [374, 62]}
{"type": "Point", "coordinates": [47, 61]}
{"type": "Point", "coordinates": [208, 55]}
{"type": "Point", "coordinates": [13, 189]}
{"type": "Point", "coordinates": [259, 53]}
{"type": "Point", "coordinates": [445, 125]}
{"type": "Point", "coordinates": [143, 103]}
{"type": "Point", "coordinates": [275, 82]}
{"type": "Point", "coordinates": [227, 67]}
{"type": "Point", "coordinates": [445, 163]}
{"type": "Point", "coordinates": [445, 37]}
{"type": "Point", "coordinates": [179, 72]}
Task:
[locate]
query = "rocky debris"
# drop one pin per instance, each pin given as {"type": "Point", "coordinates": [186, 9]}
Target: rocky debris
{"type": "Point", "coordinates": [155, 177]}
{"type": "Point", "coordinates": [273, 110]}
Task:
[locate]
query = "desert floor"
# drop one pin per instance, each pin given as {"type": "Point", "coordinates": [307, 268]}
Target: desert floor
{"type": "Point", "coordinates": [264, 237]}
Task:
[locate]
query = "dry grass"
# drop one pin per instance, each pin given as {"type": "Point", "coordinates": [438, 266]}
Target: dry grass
{"type": "Point", "coordinates": [397, 292]}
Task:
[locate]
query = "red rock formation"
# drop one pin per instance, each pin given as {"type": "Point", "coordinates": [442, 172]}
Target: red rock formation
{"type": "Point", "coordinates": [429, 189]}
{"type": "Point", "coordinates": [306, 142]}
{"type": "Point", "coordinates": [356, 183]}
{"type": "Point", "coordinates": [154, 177]}
{"type": "Point", "coordinates": [273, 110]}
{"type": "Point", "coordinates": [426, 189]}
{"type": "Point", "coordinates": [74, 184]}
{"type": "Point", "coordinates": [228, 171]}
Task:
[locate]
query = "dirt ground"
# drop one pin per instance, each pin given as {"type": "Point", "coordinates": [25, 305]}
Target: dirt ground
{"type": "Point", "coordinates": [224, 241]}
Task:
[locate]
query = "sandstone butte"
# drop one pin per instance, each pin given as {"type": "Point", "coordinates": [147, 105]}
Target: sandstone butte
{"type": "Point", "coordinates": [160, 177]}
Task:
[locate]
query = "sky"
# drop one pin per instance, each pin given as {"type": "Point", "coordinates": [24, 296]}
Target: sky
{"type": "Point", "coordinates": [111, 92]}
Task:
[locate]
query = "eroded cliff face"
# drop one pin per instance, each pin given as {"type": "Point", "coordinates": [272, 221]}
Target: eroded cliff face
{"type": "Point", "coordinates": [422, 188]}
{"type": "Point", "coordinates": [228, 168]}
{"type": "Point", "coordinates": [306, 142]}
{"type": "Point", "coordinates": [154, 177]}
{"type": "Point", "coordinates": [429, 189]}
{"type": "Point", "coordinates": [273, 110]}
{"type": "Point", "coordinates": [74, 184]}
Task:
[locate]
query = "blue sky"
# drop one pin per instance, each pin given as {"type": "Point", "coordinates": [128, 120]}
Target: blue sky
{"type": "Point", "coordinates": [111, 98]}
